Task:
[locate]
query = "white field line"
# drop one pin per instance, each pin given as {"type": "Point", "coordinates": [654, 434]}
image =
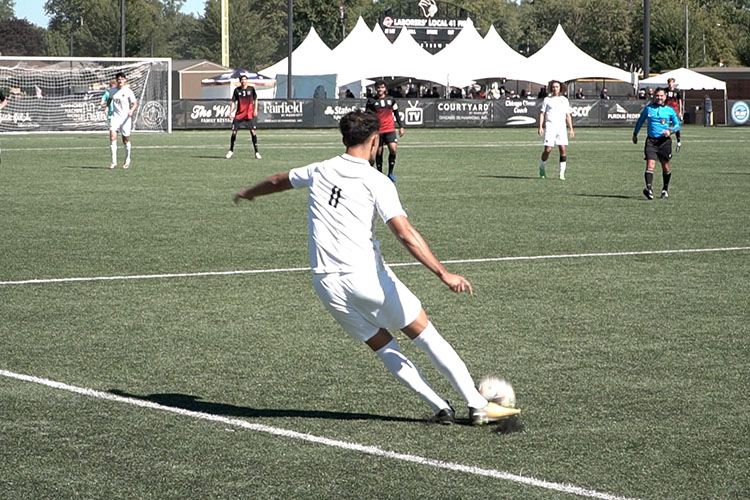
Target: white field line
{"type": "Point", "coordinates": [401, 264]}
{"type": "Point", "coordinates": [369, 450]}
{"type": "Point", "coordinates": [337, 143]}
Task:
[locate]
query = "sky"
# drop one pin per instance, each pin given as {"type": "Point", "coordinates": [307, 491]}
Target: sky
{"type": "Point", "coordinates": [33, 10]}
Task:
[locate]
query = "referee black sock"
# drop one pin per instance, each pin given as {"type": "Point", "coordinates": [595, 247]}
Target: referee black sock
{"type": "Point", "coordinates": [391, 162]}
{"type": "Point", "coordinates": [677, 134]}
{"type": "Point", "coordinates": [666, 176]}
{"type": "Point", "coordinates": [379, 162]}
{"type": "Point", "coordinates": [255, 142]}
{"type": "Point", "coordinates": [231, 142]}
{"type": "Point", "coordinates": [649, 179]}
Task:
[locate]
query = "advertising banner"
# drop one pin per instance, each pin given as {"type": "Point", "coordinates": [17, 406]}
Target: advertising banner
{"type": "Point", "coordinates": [463, 112]}
{"type": "Point", "coordinates": [619, 113]}
{"type": "Point", "coordinates": [585, 113]}
{"type": "Point", "coordinates": [515, 112]}
{"type": "Point", "coordinates": [328, 112]}
{"type": "Point", "coordinates": [188, 114]}
{"type": "Point", "coordinates": [294, 113]}
{"type": "Point", "coordinates": [739, 112]}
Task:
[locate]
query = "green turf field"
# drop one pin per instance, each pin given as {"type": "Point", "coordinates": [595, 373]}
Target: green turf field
{"type": "Point", "coordinates": [628, 348]}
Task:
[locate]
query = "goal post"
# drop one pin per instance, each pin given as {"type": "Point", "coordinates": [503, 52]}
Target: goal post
{"type": "Point", "coordinates": [63, 94]}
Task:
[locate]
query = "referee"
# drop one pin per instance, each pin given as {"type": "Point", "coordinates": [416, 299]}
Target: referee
{"type": "Point", "coordinates": [662, 123]}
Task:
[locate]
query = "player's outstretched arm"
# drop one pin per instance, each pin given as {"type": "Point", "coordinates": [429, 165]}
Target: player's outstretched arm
{"type": "Point", "coordinates": [410, 238]}
{"type": "Point", "coordinates": [273, 184]}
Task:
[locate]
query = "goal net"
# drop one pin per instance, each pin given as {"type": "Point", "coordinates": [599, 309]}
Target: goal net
{"type": "Point", "coordinates": [63, 94]}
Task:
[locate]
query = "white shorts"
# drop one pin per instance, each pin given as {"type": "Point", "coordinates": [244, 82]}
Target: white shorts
{"type": "Point", "coordinates": [555, 137]}
{"type": "Point", "coordinates": [363, 303]}
{"type": "Point", "coordinates": [118, 124]}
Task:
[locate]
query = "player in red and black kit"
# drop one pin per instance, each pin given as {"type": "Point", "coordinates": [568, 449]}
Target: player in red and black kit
{"type": "Point", "coordinates": [3, 103]}
{"type": "Point", "coordinates": [674, 101]}
{"type": "Point", "coordinates": [386, 109]}
{"type": "Point", "coordinates": [244, 109]}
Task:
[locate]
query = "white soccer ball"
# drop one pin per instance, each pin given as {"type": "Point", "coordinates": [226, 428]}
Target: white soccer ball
{"type": "Point", "coordinates": [498, 390]}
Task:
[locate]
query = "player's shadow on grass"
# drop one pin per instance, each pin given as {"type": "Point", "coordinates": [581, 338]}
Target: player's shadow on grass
{"type": "Point", "coordinates": [614, 196]}
{"type": "Point", "coordinates": [93, 167]}
{"type": "Point", "coordinates": [519, 177]}
{"type": "Point", "coordinates": [194, 403]}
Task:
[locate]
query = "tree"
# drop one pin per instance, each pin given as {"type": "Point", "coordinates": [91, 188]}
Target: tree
{"type": "Point", "coordinates": [21, 38]}
{"type": "Point", "coordinates": [7, 9]}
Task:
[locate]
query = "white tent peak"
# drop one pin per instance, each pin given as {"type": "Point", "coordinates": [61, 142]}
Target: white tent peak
{"type": "Point", "coordinates": [561, 59]}
{"type": "Point", "coordinates": [685, 79]}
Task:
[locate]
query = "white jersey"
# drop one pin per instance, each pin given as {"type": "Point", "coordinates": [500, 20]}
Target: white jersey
{"type": "Point", "coordinates": [121, 102]}
{"type": "Point", "coordinates": [555, 109]}
{"type": "Point", "coordinates": [344, 194]}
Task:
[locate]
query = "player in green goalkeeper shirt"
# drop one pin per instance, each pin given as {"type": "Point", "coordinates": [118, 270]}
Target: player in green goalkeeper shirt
{"type": "Point", "coordinates": [107, 98]}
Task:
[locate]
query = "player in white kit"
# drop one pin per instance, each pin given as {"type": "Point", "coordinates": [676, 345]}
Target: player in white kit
{"type": "Point", "coordinates": [123, 107]}
{"type": "Point", "coordinates": [553, 118]}
{"type": "Point", "coordinates": [351, 278]}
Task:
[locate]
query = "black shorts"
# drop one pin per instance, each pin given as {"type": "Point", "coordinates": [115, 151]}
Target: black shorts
{"type": "Point", "coordinates": [243, 123]}
{"type": "Point", "coordinates": [659, 148]}
{"type": "Point", "coordinates": [388, 137]}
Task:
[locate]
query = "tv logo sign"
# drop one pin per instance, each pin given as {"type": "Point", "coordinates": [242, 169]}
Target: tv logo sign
{"type": "Point", "coordinates": [414, 115]}
{"type": "Point", "coordinates": [740, 113]}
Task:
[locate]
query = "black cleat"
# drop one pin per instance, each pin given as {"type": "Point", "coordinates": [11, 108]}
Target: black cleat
{"type": "Point", "coordinates": [648, 194]}
{"type": "Point", "coordinates": [446, 416]}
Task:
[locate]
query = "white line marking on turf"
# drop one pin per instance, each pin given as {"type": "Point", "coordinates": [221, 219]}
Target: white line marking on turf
{"type": "Point", "coordinates": [401, 264]}
{"type": "Point", "coordinates": [369, 450]}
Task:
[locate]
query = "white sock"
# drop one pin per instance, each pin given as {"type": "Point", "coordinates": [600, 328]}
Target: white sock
{"type": "Point", "coordinates": [404, 370]}
{"type": "Point", "coordinates": [450, 365]}
{"type": "Point", "coordinates": [563, 166]}
{"type": "Point", "coordinates": [127, 152]}
{"type": "Point", "coordinates": [113, 150]}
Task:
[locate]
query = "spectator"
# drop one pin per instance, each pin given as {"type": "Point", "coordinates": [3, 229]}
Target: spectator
{"type": "Point", "coordinates": [348, 94]}
{"type": "Point", "coordinates": [579, 94]}
{"type": "Point", "coordinates": [456, 93]}
{"type": "Point", "coordinates": [494, 92]}
{"type": "Point", "coordinates": [650, 93]}
{"type": "Point", "coordinates": [542, 93]}
{"type": "Point", "coordinates": [413, 91]}
{"type": "Point", "coordinates": [708, 111]}
{"type": "Point", "coordinates": [524, 94]}
{"type": "Point", "coordinates": [603, 94]}
{"type": "Point", "coordinates": [641, 94]}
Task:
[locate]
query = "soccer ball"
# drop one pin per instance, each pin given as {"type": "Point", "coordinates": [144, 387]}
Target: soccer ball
{"type": "Point", "coordinates": [498, 390]}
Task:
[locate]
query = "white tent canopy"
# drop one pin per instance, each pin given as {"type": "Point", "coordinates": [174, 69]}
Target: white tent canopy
{"type": "Point", "coordinates": [560, 59]}
{"type": "Point", "coordinates": [312, 57]}
{"type": "Point", "coordinates": [468, 58]}
{"type": "Point", "coordinates": [409, 59]}
{"type": "Point", "coordinates": [504, 62]}
{"type": "Point", "coordinates": [349, 55]}
{"type": "Point", "coordinates": [685, 79]}
{"type": "Point", "coordinates": [460, 61]}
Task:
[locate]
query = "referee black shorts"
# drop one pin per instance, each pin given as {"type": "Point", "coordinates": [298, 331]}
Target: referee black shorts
{"type": "Point", "coordinates": [243, 123]}
{"type": "Point", "coordinates": [658, 148]}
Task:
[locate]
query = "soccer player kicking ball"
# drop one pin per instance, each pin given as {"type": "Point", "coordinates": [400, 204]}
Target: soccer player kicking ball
{"type": "Point", "coordinates": [244, 110]}
{"type": "Point", "coordinates": [351, 278]}
{"type": "Point", "coordinates": [662, 123]}
{"type": "Point", "coordinates": [123, 106]}
{"type": "Point", "coordinates": [553, 117]}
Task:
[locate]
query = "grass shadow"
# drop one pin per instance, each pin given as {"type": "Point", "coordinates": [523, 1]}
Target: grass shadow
{"type": "Point", "coordinates": [518, 177]}
{"type": "Point", "coordinates": [613, 196]}
{"type": "Point", "coordinates": [194, 403]}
